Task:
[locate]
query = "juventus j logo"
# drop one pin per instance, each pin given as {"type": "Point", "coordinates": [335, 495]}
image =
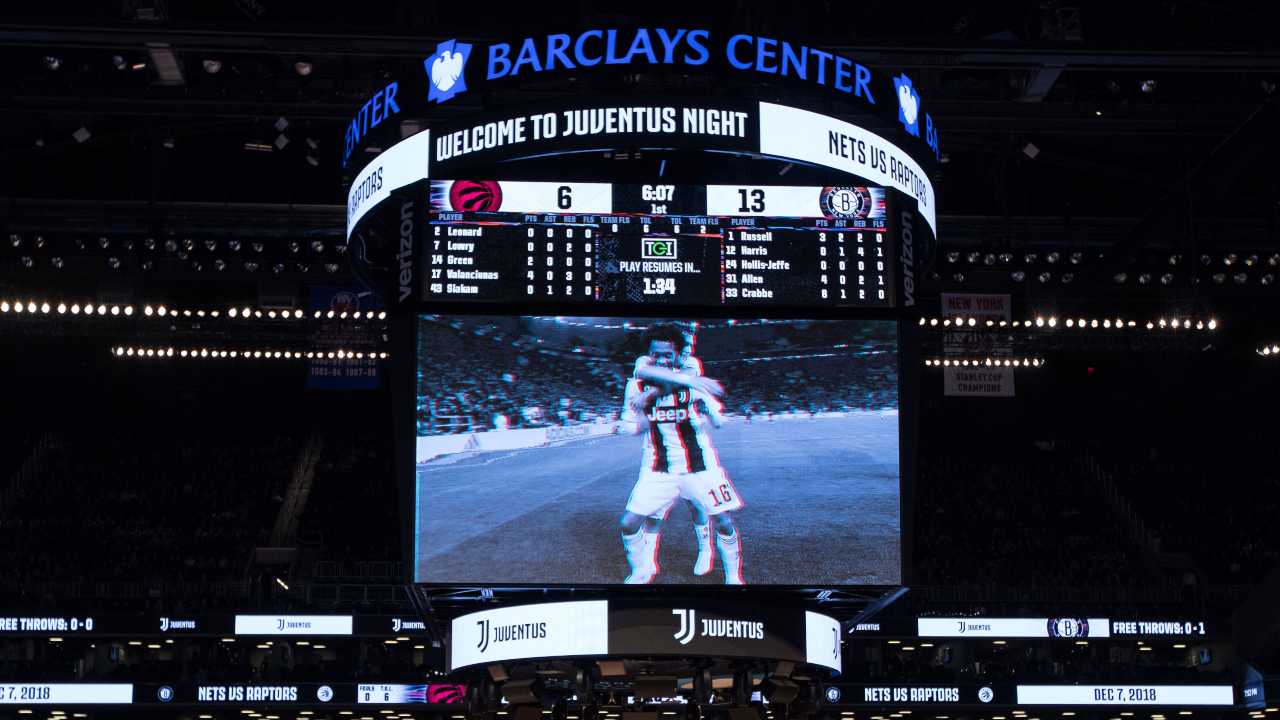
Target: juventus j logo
{"type": "Point", "coordinates": [395, 624]}
{"type": "Point", "coordinates": [688, 625]}
{"type": "Point", "coordinates": [164, 624]}
{"type": "Point", "coordinates": [279, 624]}
{"type": "Point", "coordinates": [484, 635]}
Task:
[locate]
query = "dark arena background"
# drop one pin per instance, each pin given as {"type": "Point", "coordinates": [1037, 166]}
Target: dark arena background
{"type": "Point", "coordinates": [728, 361]}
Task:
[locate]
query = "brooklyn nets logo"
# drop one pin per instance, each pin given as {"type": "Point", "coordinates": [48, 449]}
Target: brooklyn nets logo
{"type": "Point", "coordinates": [845, 202]}
{"type": "Point", "coordinates": [1068, 627]}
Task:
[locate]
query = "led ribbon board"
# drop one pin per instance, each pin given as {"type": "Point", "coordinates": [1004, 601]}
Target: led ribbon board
{"type": "Point", "coordinates": [600, 627]}
{"type": "Point", "coordinates": [453, 72]}
{"type": "Point", "coordinates": [747, 128]}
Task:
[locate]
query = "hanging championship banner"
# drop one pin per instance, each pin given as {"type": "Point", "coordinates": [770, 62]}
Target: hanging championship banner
{"type": "Point", "coordinates": [974, 340]}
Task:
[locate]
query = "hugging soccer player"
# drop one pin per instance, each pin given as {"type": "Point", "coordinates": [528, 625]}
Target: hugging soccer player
{"type": "Point", "coordinates": [672, 408]}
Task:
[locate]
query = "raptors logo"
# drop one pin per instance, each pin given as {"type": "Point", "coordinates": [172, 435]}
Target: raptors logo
{"type": "Point", "coordinates": [446, 694]}
{"type": "Point", "coordinates": [475, 196]}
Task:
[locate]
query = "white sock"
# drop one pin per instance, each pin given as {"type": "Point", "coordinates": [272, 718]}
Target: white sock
{"type": "Point", "coordinates": [641, 547]}
{"type": "Point", "coordinates": [702, 565]}
{"type": "Point", "coordinates": [651, 538]}
{"type": "Point", "coordinates": [730, 548]}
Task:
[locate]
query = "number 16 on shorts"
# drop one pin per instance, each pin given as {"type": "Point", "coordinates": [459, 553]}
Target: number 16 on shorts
{"type": "Point", "coordinates": [713, 491]}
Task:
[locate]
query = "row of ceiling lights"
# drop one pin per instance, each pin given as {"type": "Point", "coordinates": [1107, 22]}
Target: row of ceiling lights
{"type": "Point", "coordinates": [211, 65]}
{"type": "Point", "coordinates": [975, 257]}
{"type": "Point", "coordinates": [45, 307]}
{"type": "Point", "coordinates": [984, 362]}
{"type": "Point", "coordinates": [183, 251]}
{"type": "Point", "coordinates": [131, 351]}
{"type": "Point", "coordinates": [1144, 278]}
{"type": "Point", "coordinates": [17, 241]}
{"type": "Point", "coordinates": [1052, 322]}
{"type": "Point", "coordinates": [57, 262]}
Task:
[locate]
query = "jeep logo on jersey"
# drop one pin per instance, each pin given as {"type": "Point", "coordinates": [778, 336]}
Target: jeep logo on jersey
{"type": "Point", "coordinates": [714, 628]}
{"type": "Point", "coordinates": [445, 70]}
{"type": "Point", "coordinates": [668, 415]}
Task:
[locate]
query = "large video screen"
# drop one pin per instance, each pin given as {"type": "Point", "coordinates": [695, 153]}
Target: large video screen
{"type": "Point", "coordinates": [595, 450]}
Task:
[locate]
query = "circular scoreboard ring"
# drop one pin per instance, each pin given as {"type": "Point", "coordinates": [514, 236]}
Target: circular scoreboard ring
{"type": "Point", "coordinates": [451, 168]}
{"type": "Point", "coordinates": [620, 629]}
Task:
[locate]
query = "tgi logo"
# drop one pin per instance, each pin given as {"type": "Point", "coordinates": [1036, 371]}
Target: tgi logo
{"type": "Point", "coordinates": [688, 625]}
{"type": "Point", "coordinates": [484, 635]}
{"type": "Point", "coordinates": [659, 249]}
{"type": "Point", "coordinates": [445, 68]}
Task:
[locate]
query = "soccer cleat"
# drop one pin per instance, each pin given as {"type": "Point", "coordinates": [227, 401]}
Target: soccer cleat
{"type": "Point", "coordinates": [706, 553]}
{"type": "Point", "coordinates": [639, 576]}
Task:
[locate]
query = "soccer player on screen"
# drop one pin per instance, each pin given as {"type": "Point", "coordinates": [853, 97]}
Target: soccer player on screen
{"type": "Point", "coordinates": [689, 364]}
{"type": "Point", "coordinates": [671, 409]}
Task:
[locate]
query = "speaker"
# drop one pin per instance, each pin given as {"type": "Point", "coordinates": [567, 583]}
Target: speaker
{"type": "Point", "coordinates": [780, 691]}
{"type": "Point", "coordinates": [521, 692]}
{"type": "Point", "coordinates": [612, 668]}
{"type": "Point", "coordinates": [654, 686]}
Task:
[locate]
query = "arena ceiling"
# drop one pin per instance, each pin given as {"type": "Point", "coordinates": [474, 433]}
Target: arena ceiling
{"type": "Point", "coordinates": [1128, 134]}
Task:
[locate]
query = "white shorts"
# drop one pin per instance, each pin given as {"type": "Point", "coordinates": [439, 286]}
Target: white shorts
{"type": "Point", "coordinates": [655, 492]}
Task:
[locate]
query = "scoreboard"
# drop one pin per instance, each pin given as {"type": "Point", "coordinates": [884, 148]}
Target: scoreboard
{"type": "Point", "coordinates": [720, 245]}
